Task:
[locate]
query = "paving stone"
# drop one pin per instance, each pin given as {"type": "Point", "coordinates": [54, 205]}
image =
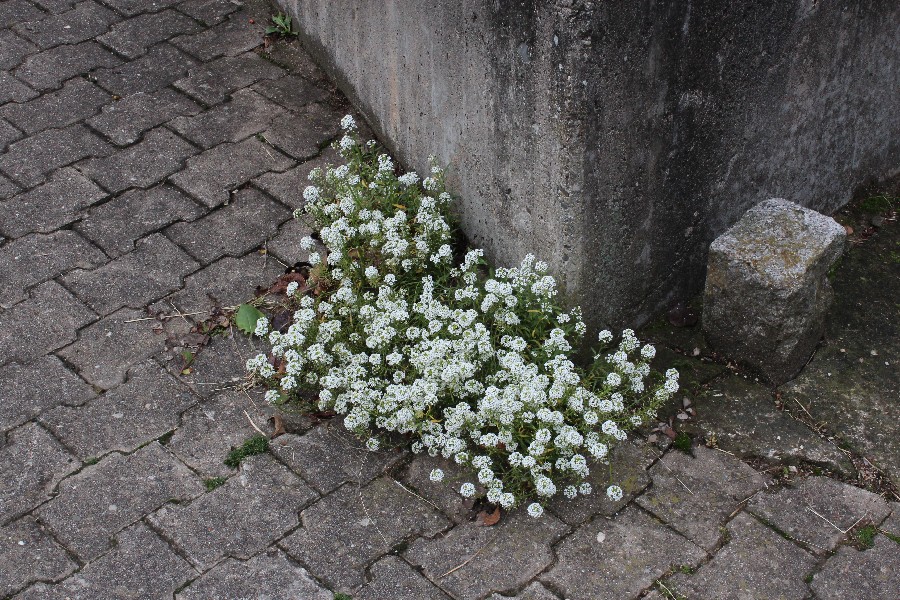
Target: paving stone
{"type": "Point", "coordinates": [503, 557]}
{"type": "Point", "coordinates": [210, 430]}
{"type": "Point", "coordinates": [247, 114]}
{"type": "Point", "coordinates": [336, 547]}
{"type": "Point", "coordinates": [31, 464]}
{"type": "Point", "coordinates": [17, 11]}
{"type": "Point", "coordinates": [105, 350]}
{"type": "Point", "coordinates": [211, 83]}
{"type": "Point", "coordinates": [756, 563]}
{"type": "Point", "coordinates": [47, 70]}
{"type": "Point", "coordinates": [298, 61]}
{"type": "Point", "coordinates": [272, 571]}
{"type": "Point", "coordinates": [211, 12]}
{"type": "Point", "coordinates": [696, 494]}
{"type": "Point", "coordinates": [791, 510]}
{"type": "Point", "coordinates": [27, 390]}
{"type": "Point", "coordinates": [872, 574]}
{"type": "Point", "coordinates": [235, 36]}
{"type": "Point", "coordinates": [142, 566]}
{"type": "Point", "coordinates": [393, 579]}
{"type": "Point", "coordinates": [535, 591]}
{"type": "Point", "coordinates": [28, 161]}
{"type": "Point", "coordinates": [629, 462]}
{"type": "Point", "coordinates": [292, 92]}
{"type": "Point", "coordinates": [142, 409]}
{"type": "Point", "coordinates": [285, 245]}
{"type": "Point", "coordinates": [85, 21]}
{"type": "Point", "coordinates": [305, 136]}
{"type": "Point", "coordinates": [245, 224]}
{"type": "Point", "coordinates": [95, 504]}
{"type": "Point", "coordinates": [892, 524]}
{"type": "Point", "coordinates": [220, 364]}
{"type": "Point", "coordinates": [210, 176]}
{"type": "Point", "coordinates": [160, 264]}
{"type": "Point", "coordinates": [116, 225]}
{"type": "Point", "coordinates": [226, 282]}
{"type": "Point", "coordinates": [125, 121]}
{"type": "Point", "coordinates": [328, 456]}
{"type": "Point", "coordinates": [46, 321]}
{"type": "Point", "coordinates": [8, 135]}
{"type": "Point", "coordinates": [55, 204]}
{"type": "Point", "coordinates": [133, 37]}
{"type": "Point", "coordinates": [146, 163]}
{"type": "Point", "coordinates": [29, 554]}
{"type": "Point", "coordinates": [11, 89]}
{"type": "Point", "coordinates": [742, 418]}
{"type": "Point", "coordinates": [35, 258]}
{"type": "Point", "coordinates": [13, 49]}
{"type": "Point", "coordinates": [617, 558]}
{"type": "Point", "coordinates": [443, 494]}
{"type": "Point", "coordinates": [288, 186]}
{"type": "Point", "coordinates": [77, 100]}
{"type": "Point", "coordinates": [56, 6]}
{"type": "Point", "coordinates": [162, 65]}
{"type": "Point", "coordinates": [7, 188]}
{"type": "Point", "coordinates": [131, 8]}
{"type": "Point", "coordinates": [265, 494]}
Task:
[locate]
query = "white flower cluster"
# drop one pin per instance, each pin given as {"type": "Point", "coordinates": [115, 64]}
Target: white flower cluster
{"type": "Point", "coordinates": [403, 339]}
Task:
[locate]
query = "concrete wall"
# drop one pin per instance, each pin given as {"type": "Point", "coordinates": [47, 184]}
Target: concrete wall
{"type": "Point", "coordinates": [617, 139]}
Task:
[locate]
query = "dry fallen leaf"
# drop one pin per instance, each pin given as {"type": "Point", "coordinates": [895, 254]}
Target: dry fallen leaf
{"type": "Point", "coordinates": [486, 519]}
{"type": "Point", "coordinates": [279, 426]}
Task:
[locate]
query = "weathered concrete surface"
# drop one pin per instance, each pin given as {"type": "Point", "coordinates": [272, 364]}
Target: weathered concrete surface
{"type": "Point", "coordinates": [616, 141]}
{"type": "Point", "coordinates": [767, 293]}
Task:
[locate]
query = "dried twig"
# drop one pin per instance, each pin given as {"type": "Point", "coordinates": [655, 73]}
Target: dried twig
{"type": "Point", "coordinates": [425, 500]}
{"type": "Point", "coordinates": [471, 558]}
{"type": "Point", "coordinates": [254, 424]}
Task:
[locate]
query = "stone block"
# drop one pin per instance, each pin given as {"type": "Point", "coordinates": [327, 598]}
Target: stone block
{"type": "Point", "coordinates": [87, 20]}
{"type": "Point", "coordinates": [227, 282]}
{"type": "Point", "coordinates": [45, 322]}
{"type": "Point", "coordinates": [13, 90]}
{"type": "Point", "coordinates": [265, 494]}
{"type": "Point", "coordinates": [281, 578]}
{"type": "Point", "coordinates": [608, 559]}
{"type": "Point", "coordinates": [133, 37]}
{"type": "Point", "coordinates": [95, 504]}
{"type": "Point", "coordinates": [29, 389]}
{"type": "Point", "coordinates": [36, 258]}
{"type": "Point", "coordinates": [161, 66]}
{"type": "Point", "coordinates": [142, 409]}
{"type": "Point", "coordinates": [210, 430]}
{"type": "Point", "coordinates": [292, 92]}
{"type": "Point", "coordinates": [767, 290]}
{"type": "Point", "coordinates": [57, 203]}
{"type": "Point", "coordinates": [873, 574]}
{"type": "Point", "coordinates": [144, 164]}
{"type": "Point", "coordinates": [18, 11]}
{"type": "Point", "coordinates": [29, 554]}
{"type": "Point", "coordinates": [125, 121]}
{"type": "Point", "coordinates": [117, 225]}
{"type": "Point", "coordinates": [13, 49]}
{"type": "Point", "coordinates": [30, 160]}
{"type": "Point", "coordinates": [31, 464]}
{"type": "Point", "coordinates": [212, 82]}
{"type": "Point", "coordinates": [247, 114]}
{"type": "Point", "coordinates": [351, 527]}
{"type": "Point", "coordinates": [161, 264]}
{"type": "Point", "coordinates": [443, 494]}
{"type": "Point", "coordinates": [211, 176]}
{"type": "Point", "coordinates": [286, 243]}
{"type": "Point", "coordinates": [234, 230]}
{"type": "Point", "coordinates": [132, 8]}
{"type": "Point", "coordinates": [535, 591]}
{"type": "Point", "coordinates": [755, 563]}
{"type": "Point", "coordinates": [393, 579]}
{"type": "Point", "coordinates": [306, 135]}
{"type": "Point", "coordinates": [47, 70]}
{"type": "Point", "coordinates": [328, 456]}
{"type": "Point", "coordinates": [105, 350]}
{"type": "Point", "coordinates": [505, 556]}
{"type": "Point", "coordinates": [77, 100]}
{"type": "Point", "coordinates": [210, 12]}
{"type": "Point", "coordinates": [235, 36]}
{"type": "Point", "coordinates": [696, 494]}
{"type": "Point", "coordinates": [817, 510]}
{"type": "Point", "coordinates": [141, 566]}
{"type": "Point", "coordinates": [220, 364]}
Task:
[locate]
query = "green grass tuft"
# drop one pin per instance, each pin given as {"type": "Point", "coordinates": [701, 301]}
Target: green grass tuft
{"type": "Point", "coordinates": [258, 444]}
{"type": "Point", "coordinates": [214, 482]}
{"type": "Point", "coordinates": [683, 442]}
{"type": "Point", "coordinates": [866, 536]}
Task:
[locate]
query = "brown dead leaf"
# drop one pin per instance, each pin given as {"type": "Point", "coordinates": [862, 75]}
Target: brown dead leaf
{"type": "Point", "coordinates": [278, 423]}
{"type": "Point", "coordinates": [281, 284]}
{"type": "Point", "coordinates": [848, 229]}
{"type": "Point", "coordinates": [486, 519]}
{"type": "Point", "coordinates": [669, 432]}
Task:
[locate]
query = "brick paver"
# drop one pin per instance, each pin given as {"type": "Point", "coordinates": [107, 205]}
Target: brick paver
{"type": "Point", "coordinates": [151, 155]}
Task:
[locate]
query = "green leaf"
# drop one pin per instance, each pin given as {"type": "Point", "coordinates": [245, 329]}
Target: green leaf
{"type": "Point", "coordinates": [246, 317]}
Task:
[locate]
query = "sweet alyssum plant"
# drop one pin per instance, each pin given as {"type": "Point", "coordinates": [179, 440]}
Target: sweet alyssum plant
{"type": "Point", "coordinates": [472, 365]}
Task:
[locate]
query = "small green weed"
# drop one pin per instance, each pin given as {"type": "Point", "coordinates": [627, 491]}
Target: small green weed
{"type": "Point", "coordinates": [877, 204]}
{"type": "Point", "coordinates": [258, 444]}
{"type": "Point", "coordinates": [91, 461]}
{"type": "Point", "coordinates": [683, 442]}
{"type": "Point", "coordinates": [214, 482]}
{"type": "Point", "coordinates": [340, 596]}
{"type": "Point", "coordinates": [865, 536]}
{"type": "Point", "coordinates": [892, 537]}
{"type": "Point", "coordinates": [281, 26]}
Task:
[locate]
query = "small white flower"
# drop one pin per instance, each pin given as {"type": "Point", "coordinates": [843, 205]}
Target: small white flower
{"type": "Point", "coordinates": [467, 490]}
{"type": "Point", "coordinates": [372, 444]}
{"type": "Point", "coordinates": [347, 123]}
{"type": "Point", "coordinates": [292, 288]}
{"type": "Point", "coordinates": [262, 327]}
{"type": "Point", "coordinates": [614, 493]}
{"type": "Point", "coordinates": [535, 510]}
{"type": "Point", "coordinates": [436, 475]}
{"type": "Point", "coordinates": [605, 336]}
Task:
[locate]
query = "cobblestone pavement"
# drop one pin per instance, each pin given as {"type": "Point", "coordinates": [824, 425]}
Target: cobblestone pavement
{"type": "Point", "coordinates": [149, 152]}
